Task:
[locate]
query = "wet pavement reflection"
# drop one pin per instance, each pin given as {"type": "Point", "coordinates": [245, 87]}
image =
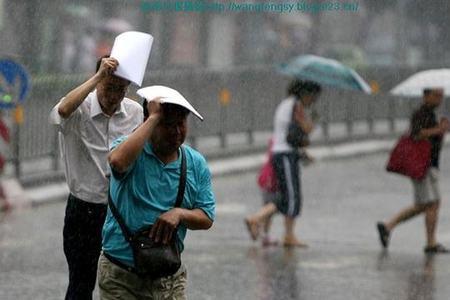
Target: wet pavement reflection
{"type": "Point", "coordinates": [276, 273]}
{"type": "Point", "coordinates": [344, 260]}
{"type": "Point", "coordinates": [420, 281]}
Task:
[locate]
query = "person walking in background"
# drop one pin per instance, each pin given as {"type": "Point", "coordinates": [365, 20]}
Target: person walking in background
{"type": "Point", "coordinates": [427, 197]}
{"type": "Point", "coordinates": [286, 158]}
{"type": "Point", "coordinates": [4, 141]}
{"type": "Point", "coordinates": [89, 118]}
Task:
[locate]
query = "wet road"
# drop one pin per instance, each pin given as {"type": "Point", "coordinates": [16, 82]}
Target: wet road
{"type": "Point", "coordinates": [343, 200]}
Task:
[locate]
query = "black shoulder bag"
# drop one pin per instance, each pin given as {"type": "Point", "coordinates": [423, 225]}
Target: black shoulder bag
{"type": "Point", "coordinates": [154, 260]}
{"type": "Point", "coordinates": [296, 137]}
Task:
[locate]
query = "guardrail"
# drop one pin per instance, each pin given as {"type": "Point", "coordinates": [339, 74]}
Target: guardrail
{"type": "Point", "coordinates": [235, 103]}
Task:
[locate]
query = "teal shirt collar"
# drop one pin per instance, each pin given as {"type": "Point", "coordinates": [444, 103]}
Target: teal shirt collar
{"type": "Point", "coordinates": [148, 149]}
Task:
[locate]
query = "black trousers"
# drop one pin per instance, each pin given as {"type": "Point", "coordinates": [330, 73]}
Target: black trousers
{"type": "Point", "coordinates": [82, 234]}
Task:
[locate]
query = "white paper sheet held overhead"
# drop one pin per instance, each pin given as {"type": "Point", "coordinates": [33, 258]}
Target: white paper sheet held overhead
{"type": "Point", "coordinates": [132, 50]}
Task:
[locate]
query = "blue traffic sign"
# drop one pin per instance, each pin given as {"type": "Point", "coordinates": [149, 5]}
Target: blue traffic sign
{"type": "Point", "coordinates": [14, 84]}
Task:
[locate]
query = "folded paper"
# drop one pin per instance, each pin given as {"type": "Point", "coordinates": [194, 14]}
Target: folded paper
{"type": "Point", "coordinates": [132, 50]}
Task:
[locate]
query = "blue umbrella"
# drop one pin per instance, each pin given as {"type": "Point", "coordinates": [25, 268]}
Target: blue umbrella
{"type": "Point", "coordinates": [325, 71]}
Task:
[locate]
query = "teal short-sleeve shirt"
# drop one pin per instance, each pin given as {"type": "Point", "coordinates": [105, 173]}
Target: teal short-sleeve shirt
{"type": "Point", "coordinates": [148, 189]}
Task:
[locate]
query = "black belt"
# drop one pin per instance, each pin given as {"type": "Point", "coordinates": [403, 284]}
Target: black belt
{"type": "Point", "coordinates": [119, 263]}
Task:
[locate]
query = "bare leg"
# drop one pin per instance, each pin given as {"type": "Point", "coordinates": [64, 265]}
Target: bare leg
{"type": "Point", "coordinates": [263, 213]}
{"type": "Point", "coordinates": [405, 215]}
{"type": "Point", "coordinates": [289, 238]}
{"type": "Point", "coordinates": [267, 224]}
{"type": "Point", "coordinates": [289, 226]}
{"type": "Point", "coordinates": [267, 240]}
{"type": "Point", "coordinates": [254, 221]}
{"type": "Point", "coordinates": [431, 218]}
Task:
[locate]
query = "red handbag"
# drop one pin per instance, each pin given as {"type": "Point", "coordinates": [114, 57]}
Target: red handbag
{"type": "Point", "coordinates": [267, 179]}
{"type": "Point", "coordinates": [410, 157]}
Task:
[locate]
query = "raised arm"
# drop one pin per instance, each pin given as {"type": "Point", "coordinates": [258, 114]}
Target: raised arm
{"type": "Point", "coordinates": [76, 96]}
{"type": "Point", "coordinates": [127, 152]}
{"type": "Point", "coordinates": [299, 113]}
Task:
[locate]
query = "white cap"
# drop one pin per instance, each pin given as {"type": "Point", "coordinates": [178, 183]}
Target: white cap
{"type": "Point", "coordinates": [167, 95]}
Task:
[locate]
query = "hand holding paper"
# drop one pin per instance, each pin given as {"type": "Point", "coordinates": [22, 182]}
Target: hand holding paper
{"type": "Point", "coordinates": [108, 66]}
{"type": "Point", "coordinates": [132, 50]}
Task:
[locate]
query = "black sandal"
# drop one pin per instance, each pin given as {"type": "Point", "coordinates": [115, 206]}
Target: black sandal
{"type": "Point", "coordinates": [384, 234]}
{"type": "Point", "coordinates": [438, 248]}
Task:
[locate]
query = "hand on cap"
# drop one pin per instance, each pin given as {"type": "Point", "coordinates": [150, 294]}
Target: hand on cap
{"type": "Point", "coordinates": [108, 66]}
{"type": "Point", "coordinates": [155, 109]}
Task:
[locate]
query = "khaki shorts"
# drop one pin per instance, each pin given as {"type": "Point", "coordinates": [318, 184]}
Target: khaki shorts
{"type": "Point", "coordinates": [115, 282]}
{"type": "Point", "coordinates": [427, 190]}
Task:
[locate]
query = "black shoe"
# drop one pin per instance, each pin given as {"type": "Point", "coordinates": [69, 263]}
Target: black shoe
{"type": "Point", "coordinates": [384, 234]}
{"type": "Point", "coordinates": [438, 248]}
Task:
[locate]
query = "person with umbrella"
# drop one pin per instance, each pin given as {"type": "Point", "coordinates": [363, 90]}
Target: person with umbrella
{"type": "Point", "coordinates": [301, 95]}
{"type": "Point", "coordinates": [424, 125]}
{"type": "Point", "coordinates": [310, 72]}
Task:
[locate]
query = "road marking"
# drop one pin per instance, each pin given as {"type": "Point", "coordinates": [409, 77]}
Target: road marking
{"type": "Point", "coordinates": [336, 263]}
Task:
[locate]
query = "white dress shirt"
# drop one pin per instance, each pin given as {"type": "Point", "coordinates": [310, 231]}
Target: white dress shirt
{"type": "Point", "coordinates": [84, 140]}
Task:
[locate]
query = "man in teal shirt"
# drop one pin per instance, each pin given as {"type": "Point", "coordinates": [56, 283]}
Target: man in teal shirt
{"type": "Point", "coordinates": [144, 184]}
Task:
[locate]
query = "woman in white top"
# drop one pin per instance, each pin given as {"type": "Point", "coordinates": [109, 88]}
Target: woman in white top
{"type": "Point", "coordinates": [301, 95]}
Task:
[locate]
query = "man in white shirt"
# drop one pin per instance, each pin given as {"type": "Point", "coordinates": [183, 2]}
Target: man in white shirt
{"type": "Point", "coordinates": [89, 118]}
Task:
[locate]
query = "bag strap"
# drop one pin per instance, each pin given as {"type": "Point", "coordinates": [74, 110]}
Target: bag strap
{"type": "Point", "coordinates": [126, 232]}
{"type": "Point", "coordinates": [182, 184]}
{"type": "Point", "coordinates": [180, 195]}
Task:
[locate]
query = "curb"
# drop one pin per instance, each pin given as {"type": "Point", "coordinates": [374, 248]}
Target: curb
{"type": "Point", "coordinates": [55, 192]}
{"type": "Point", "coordinates": [323, 153]}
